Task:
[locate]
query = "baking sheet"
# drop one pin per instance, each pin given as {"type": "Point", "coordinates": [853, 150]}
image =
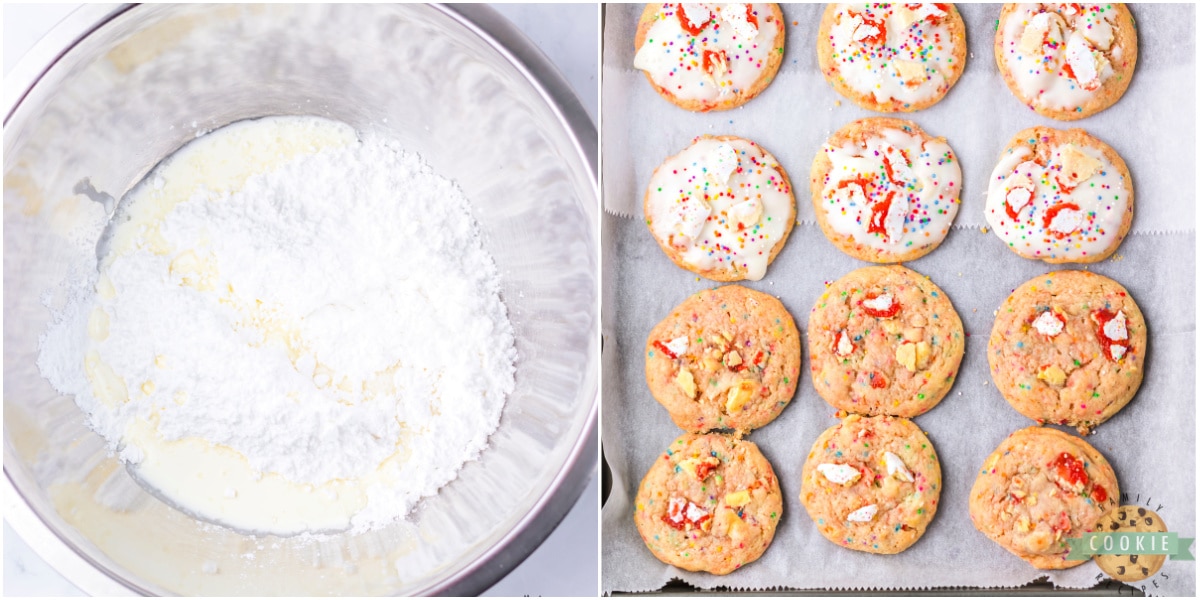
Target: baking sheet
{"type": "Point", "coordinates": [1150, 443]}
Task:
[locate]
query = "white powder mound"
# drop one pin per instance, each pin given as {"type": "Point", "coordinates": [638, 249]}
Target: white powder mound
{"type": "Point", "coordinates": [333, 312]}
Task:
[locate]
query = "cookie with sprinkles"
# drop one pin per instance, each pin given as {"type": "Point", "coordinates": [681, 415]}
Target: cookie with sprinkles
{"type": "Point", "coordinates": [892, 57]}
{"type": "Point", "coordinates": [722, 208]}
{"type": "Point", "coordinates": [872, 483]}
{"type": "Point", "coordinates": [709, 503]}
{"type": "Point", "coordinates": [1131, 567]}
{"type": "Point", "coordinates": [725, 358]}
{"type": "Point", "coordinates": [884, 341]}
{"type": "Point", "coordinates": [1066, 61]}
{"type": "Point", "coordinates": [885, 191]}
{"type": "Point", "coordinates": [1040, 488]}
{"type": "Point", "coordinates": [1060, 197]}
{"type": "Point", "coordinates": [704, 57]}
{"type": "Point", "coordinates": [1067, 348]}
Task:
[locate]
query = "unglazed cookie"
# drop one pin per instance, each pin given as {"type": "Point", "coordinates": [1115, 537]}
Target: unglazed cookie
{"type": "Point", "coordinates": [722, 208]}
{"type": "Point", "coordinates": [872, 483]}
{"type": "Point", "coordinates": [710, 503]}
{"type": "Point", "coordinates": [706, 57]}
{"type": "Point", "coordinates": [1060, 196]}
{"type": "Point", "coordinates": [1067, 348]}
{"type": "Point", "coordinates": [892, 57]}
{"type": "Point", "coordinates": [1040, 488]}
{"type": "Point", "coordinates": [1066, 61]}
{"type": "Point", "coordinates": [726, 358]}
{"type": "Point", "coordinates": [884, 341]}
{"type": "Point", "coordinates": [884, 191]}
{"type": "Point", "coordinates": [1131, 567]}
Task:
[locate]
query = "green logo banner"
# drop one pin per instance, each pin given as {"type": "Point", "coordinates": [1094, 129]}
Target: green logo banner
{"type": "Point", "coordinates": [1130, 542]}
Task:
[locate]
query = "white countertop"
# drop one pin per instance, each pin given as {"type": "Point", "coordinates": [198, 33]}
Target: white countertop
{"type": "Point", "coordinates": [566, 564]}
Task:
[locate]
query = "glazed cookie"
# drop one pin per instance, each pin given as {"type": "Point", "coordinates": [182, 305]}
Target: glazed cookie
{"type": "Point", "coordinates": [706, 57]}
{"type": "Point", "coordinates": [1067, 348]}
{"type": "Point", "coordinates": [892, 57]}
{"type": "Point", "coordinates": [726, 358]}
{"type": "Point", "coordinates": [710, 504]}
{"type": "Point", "coordinates": [884, 191]}
{"type": "Point", "coordinates": [872, 483]}
{"type": "Point", "coordinates": [884, 341]}
{"type": "Point", "coordinates": [722, 208]}
{"type": "Point", "coordinates": [1131, 567]}
{"type": "Point", "coordinates": [1040, 488]}
{"type": "Point", "coordinates": [1060, 196]}
{"type": "Point", "coordinates": [1066, 61]}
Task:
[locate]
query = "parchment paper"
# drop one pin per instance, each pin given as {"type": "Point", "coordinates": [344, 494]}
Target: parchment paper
{"type": "Point", "coordinates": [1150, 443]}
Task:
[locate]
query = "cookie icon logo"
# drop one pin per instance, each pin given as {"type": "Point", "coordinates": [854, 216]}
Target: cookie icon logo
{"type": "Point", "coordinates": [1131, 567]}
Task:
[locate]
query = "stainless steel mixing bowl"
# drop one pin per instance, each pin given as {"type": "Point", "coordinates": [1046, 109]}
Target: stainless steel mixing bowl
{"type": "Point", "coordinates": [457, 84]}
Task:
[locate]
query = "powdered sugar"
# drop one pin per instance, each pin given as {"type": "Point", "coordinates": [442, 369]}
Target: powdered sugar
{"type": "Point", "coordinates": [328, 315]}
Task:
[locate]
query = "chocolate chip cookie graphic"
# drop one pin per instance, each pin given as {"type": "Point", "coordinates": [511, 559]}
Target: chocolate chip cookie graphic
{"type": "Point", "coordinates": [1131, 567]}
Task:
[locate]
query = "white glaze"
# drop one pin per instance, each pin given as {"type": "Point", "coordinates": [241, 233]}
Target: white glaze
{"type": "Point", "coordinates": [1039, 39]}
{"type": "Point", "coordinates": [743, 218]}
{"type": "Point", "coordinates": [674, 58]}
{"type": "Point", "coordinates": [906, 67]}
{"type": "Point", "coordinates": [924, 192]}
{"type": "Point", "coordinates": [1102, 199]}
